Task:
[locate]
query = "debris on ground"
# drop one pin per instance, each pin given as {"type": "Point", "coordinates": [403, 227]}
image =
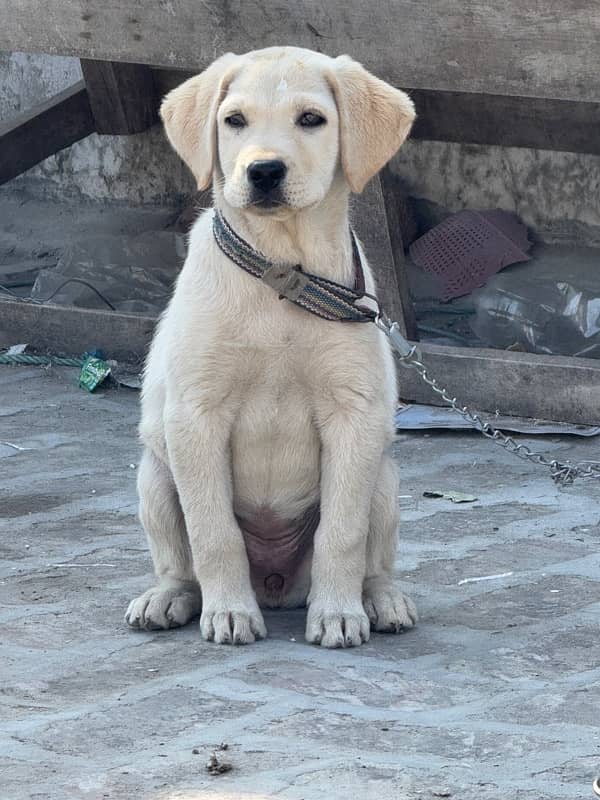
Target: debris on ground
{"type": "Point", "coordinates": [34, 360]}
{"type": "Point", "coordinates": [454, 497]}
{"type": "Point", "coordinates": [16, 349]}
{"type": "Point", "coordinates": [95, 367]}
{"type": "Point", "coordinates": [126, 375]}
{"type": "Point", "coordinates": [93, 372]}
{"type": "Point", "coordinates": [14, 446]}
{"type": "Point", "coordinates": [216, 767]}
{"type": "Point", "coordinates": [485, 578]}
{"type": "Point", "coordinates": [417, 416]}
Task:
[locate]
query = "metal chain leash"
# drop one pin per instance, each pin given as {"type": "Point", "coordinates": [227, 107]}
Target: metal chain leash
{"type": "Point", "coordinates": [562, 472]}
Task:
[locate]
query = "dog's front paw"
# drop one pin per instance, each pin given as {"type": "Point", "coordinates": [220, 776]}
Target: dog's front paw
{"type": "Point", "coordinates": [388, 609]}
{"type": "Point", "coordinates": [333, 627]}
{"type": "Point", "coordinates": [235, 623]}
{"type": "Point", "coordinates": [163, 607]}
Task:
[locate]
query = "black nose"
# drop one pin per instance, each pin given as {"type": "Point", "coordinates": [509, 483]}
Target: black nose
{"type": "Point", "coordinates": [266, 175]}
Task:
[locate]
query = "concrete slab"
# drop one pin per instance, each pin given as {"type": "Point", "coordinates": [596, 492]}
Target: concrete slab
{"type": "Point", "coordinates": [494, 695]}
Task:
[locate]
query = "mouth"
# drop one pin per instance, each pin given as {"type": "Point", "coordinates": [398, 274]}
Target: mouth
{"type": "Point", "coordinates": [265, 203]}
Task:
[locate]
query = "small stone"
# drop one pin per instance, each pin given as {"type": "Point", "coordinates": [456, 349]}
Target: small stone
{"type": "Point", "coordinates": [216, 767]}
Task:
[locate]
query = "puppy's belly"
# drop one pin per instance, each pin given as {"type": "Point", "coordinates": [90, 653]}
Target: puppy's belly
{"type": "Point", "coordinates": [276, 547]}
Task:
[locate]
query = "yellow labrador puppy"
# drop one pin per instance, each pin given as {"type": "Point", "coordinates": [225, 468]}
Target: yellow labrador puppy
{"type": "Point", "coordinates": [266, 478]}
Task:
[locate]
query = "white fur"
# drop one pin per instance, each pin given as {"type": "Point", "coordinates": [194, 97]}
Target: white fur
{"type": "Point", "coordinates": [249, 401]}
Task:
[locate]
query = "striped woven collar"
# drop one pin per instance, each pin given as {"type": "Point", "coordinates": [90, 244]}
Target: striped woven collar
{"type": "Point", "coordinates": [324, 298]}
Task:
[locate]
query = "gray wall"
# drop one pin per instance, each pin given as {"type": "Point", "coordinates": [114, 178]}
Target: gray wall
{"type": "Point", "coordinates": [558, 194]}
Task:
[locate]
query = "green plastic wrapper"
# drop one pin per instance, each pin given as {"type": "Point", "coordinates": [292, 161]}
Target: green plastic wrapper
{"type": "Point", "coordinates": [93, 372]}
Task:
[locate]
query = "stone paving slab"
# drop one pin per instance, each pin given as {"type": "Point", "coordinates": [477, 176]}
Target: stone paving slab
{"type": "Point", "coordinates": [494, 695]}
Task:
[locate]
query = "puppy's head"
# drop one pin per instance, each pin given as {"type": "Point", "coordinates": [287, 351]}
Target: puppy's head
{"type": "Point", "coordinates": [274, 127]}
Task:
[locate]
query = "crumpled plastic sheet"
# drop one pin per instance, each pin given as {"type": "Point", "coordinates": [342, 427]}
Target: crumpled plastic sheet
{"type": "Point", "coordinates": [416, 416]}
{"type": "Point", "coordinates": [134, 273]}
{"type": "Point", "coordinates": [549, 306]}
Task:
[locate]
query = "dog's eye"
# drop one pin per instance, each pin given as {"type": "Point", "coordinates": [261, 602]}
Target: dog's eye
{"type": "Point", "coordinates": [311, 120]}
{"type": "Point", "coordinates": [236, 121]}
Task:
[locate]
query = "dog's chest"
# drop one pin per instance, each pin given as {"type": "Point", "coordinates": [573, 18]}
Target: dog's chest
{"type": "Point", "coordinates": [273, 390]}
{"type": "Point", "coordinates": [274, 441]}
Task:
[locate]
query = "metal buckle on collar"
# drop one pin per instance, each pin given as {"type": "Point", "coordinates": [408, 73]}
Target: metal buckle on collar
{"type": "Point", "coordinates": [287, 280]}
{"type": "Point", "coordinates": [404, 349]}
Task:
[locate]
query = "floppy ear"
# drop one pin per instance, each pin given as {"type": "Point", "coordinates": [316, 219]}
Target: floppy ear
{"type": "Point", "coordinates": [375, 119]}
{"type": "Point", "coordinates": [189, 114]}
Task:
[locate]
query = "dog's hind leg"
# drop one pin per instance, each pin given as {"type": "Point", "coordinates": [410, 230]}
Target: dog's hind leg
{"type": "Point", "coordinates": [176, 598]}
{"type": "Point", "coordinates": [388, 609]}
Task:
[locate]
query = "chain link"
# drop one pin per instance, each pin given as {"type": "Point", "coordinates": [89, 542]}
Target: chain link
{"type": "Point", "coordinates": [563, 472]}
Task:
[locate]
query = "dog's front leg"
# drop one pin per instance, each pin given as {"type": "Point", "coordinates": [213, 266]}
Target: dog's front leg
{"type": "Point", "coordinates": [351, 448]}
{"type": "Point", "coordinates": [199, 454]}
